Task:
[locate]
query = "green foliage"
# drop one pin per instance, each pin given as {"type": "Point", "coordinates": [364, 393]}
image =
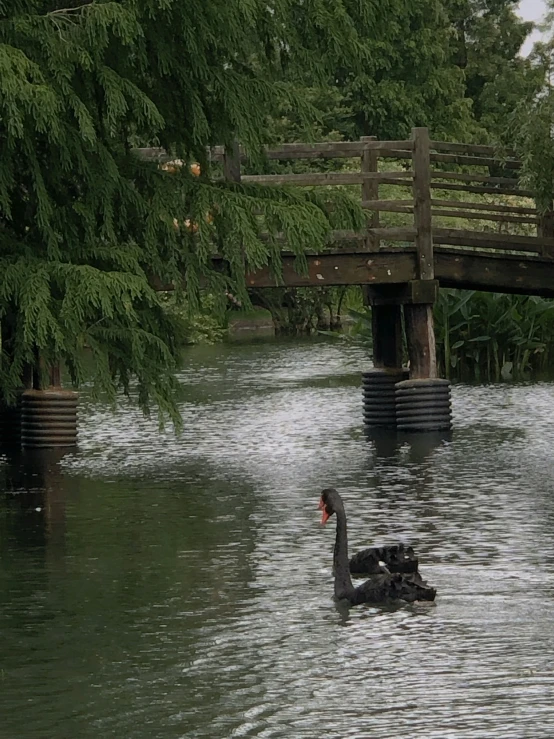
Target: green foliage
{"type": "Point", "coordinates": [491, 336]}
{"type": "Point", "coordinates": [531, 128]}
{"type": "Point", "coordinates": [408, 78]}
{"type": "Point", "coordinates": [488, 36]}
{"type": "Point", "coordinates": [299, 311]}
{"type": "Point", "coordinates": [86, 226]}
{"type": "Point", "coordinates": [452, 65]}
{"type": "Point", "coordinates": [206, 325]}
{"type": "Point", "coordinates": [484, 337]}
{"type": "Point", "coordinates": [88, 229]}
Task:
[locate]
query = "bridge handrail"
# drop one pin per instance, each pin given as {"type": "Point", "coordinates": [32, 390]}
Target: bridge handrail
{"type": "Point", "coordinates": [427, 178]}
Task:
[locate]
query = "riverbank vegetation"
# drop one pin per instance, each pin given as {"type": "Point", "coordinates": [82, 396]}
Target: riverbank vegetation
{"type": "Point", "coordinates": [484, 337]}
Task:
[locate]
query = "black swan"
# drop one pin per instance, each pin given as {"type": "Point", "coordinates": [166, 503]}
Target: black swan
{"type": "Point", "coordinates": [382, 586]}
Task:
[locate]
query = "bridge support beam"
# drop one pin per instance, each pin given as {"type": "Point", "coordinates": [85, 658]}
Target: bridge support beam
{"type": "Point", "coordinates": [423, 401]}
{"type": "Point", "coordinates": [420, 339]}
{"type": "Point", "coordinates": [386, 323]}
{"type": "Point", "coordinates": [414, 401]}
{"type": "Point", "coordinates": [379, 383]}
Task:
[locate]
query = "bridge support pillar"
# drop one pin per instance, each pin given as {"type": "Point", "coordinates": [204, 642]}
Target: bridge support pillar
{"type": "Point", "coordinates": [386, 324]}
{"type": "Point", "coordinates": [379, 383]}
{"type": "Point", "coordinates": [423, 401]}
{"type": "Point", "coordinates": [420, 339]}
{"type": "Point", "coordinates": [415, 400]}
{"type": "Point", "coordinates": [48, 414]}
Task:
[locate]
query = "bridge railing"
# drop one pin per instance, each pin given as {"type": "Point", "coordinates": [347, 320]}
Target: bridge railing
{"type": "Point", "coordinates": [443, 180]}
{"type": "Point", "coordinates": [462, 196]}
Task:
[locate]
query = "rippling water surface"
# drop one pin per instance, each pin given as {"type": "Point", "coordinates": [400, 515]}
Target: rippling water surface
{"type": "Point", "coordinates": [154, 586]}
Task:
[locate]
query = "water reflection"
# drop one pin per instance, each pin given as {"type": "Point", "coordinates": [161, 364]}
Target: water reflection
{"type": "Point", "coordinates": [181, 586]}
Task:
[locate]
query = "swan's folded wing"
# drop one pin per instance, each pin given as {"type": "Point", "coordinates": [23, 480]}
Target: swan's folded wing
{"type": "Point", "coordinates": [397, 558]}
{"type": "Point", "coordinates": [380, 588]}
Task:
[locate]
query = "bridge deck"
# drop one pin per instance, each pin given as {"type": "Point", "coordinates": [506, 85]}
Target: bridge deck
{"type": "Point", "coordinates": [494, 272]}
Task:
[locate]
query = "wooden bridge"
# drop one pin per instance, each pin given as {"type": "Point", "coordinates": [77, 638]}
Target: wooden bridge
{"type": "Point", "coordinates": [497, 241]}
{"type": "Point", "coordinates": [407, 249]}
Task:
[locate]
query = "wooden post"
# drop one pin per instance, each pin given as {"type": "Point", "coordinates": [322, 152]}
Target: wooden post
{"type": "Point", "coordinates": [546, 228]}
{"type": "Point", "coordinates": [386, 323]}
{"type": "Point", "coordinates": [422, 203]}
{"type": "Point", "coordinates": [55, 375]}
{"type": "Point", "coordinates": [231, 162]}
{"type": "Point", "coordinates": [420, 334]}
{"type": "Point", "coordinates": [370, 191]}
{"type": "Point", "coordinates": [27, 376]}
{"type": "Point", "coordinates": [420, 338]}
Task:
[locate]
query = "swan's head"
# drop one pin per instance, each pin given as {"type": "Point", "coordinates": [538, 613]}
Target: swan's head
{"type": "Point", "coordinates": [329, 503]}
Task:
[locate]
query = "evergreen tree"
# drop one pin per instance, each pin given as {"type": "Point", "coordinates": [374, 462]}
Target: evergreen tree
{"type": "Point", "coordinates": [85, 224]}
{"type": "Point", "coordinates": [488, 36]}
{"type": "Point", "coordinates": [532, 125]}
{"type": "Point", "coordinates": [408, 78]}
{"type": "Point", "coordinates": [452, 65]}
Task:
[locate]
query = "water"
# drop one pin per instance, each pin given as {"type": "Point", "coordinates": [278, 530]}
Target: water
{"type": "Point", "coordinates": [154, 586]}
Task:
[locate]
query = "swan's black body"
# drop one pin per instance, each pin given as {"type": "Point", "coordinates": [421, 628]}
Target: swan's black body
{"type": "Point", "coordinates": [379, 587]}
{"type": "Point", "coordinates": [397, 558]}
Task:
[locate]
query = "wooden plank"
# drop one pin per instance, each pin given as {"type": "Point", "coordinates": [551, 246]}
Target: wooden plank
{"type": "Point", "coordinates": [422, 203]}
{"type": "Point", "coordinates": [386, 153]}
{"type": "Point", "coordinates": [546, 224]}
{"type": "Point", "coordinates": [370, 189]}
{"type": "Point", "coordinates": [344, 268]}
{"type": "Point", "coordinates": [483, 206]}
{"type": "Point", "coordinates": [309, 178]}
{"type": "Point", "coordinates": [324, 149]}
{"type": "Point", "coordinates": [415, 291]}
{"type": "Point", "coordinates": [483, 216]}
{"type": "Point", "coordinates": [506, 273]}
{"type": "Point", "coordinates": [389, 206]}
{"type": "Point", "coordinates": [319, 150]}
{"type": "Point", "coordinates": [463, 160]}
{"type": "Point", "coordinates": [405, 145]}
{"type": "Point", "coordinates": [322, 179]}
{"type": "Point", "coordinates": [420, 339]}
{"type": "Point", "coordinates": [397, 179]}
{"type": "Point", "coordinates": [486, 240]}
{"type": "Point", "coordinates": [231, 163]}
{"type": "Point", "coordinates": [481, 189]}
{"type": "Point", "coordinates": [494, 272]}
{"type": "Point", "coordinates": [392, 233]}
{"type": "Point", "coordinates": [450, 146]}
{"type": "Point", "coordinates": [395, 233]}
{"type": "Point", "coordinates": [340, 150]}
{"type": "Point", "coordinates": [335, 149]}
{"type": "Point", "coordinates": [546, 229]}
{"type": "Point", "coordinates": [465, 177]}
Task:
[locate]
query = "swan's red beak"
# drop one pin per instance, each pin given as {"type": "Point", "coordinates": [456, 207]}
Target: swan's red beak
{"type": "Point", "coordinates": [324, 515]}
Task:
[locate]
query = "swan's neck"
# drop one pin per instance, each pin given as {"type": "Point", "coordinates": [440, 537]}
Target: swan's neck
{"type": "Point", "coordinates": [343, 581]}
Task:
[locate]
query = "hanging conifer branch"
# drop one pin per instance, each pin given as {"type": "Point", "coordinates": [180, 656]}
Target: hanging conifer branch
{"type": "Point", "coordinates": [86, 228]}
{"type": "Point", "coordinates": [70, 11]}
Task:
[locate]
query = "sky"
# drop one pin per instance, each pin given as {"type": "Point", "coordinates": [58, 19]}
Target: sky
{"type": "Point", "coordinates": [531, 10]}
